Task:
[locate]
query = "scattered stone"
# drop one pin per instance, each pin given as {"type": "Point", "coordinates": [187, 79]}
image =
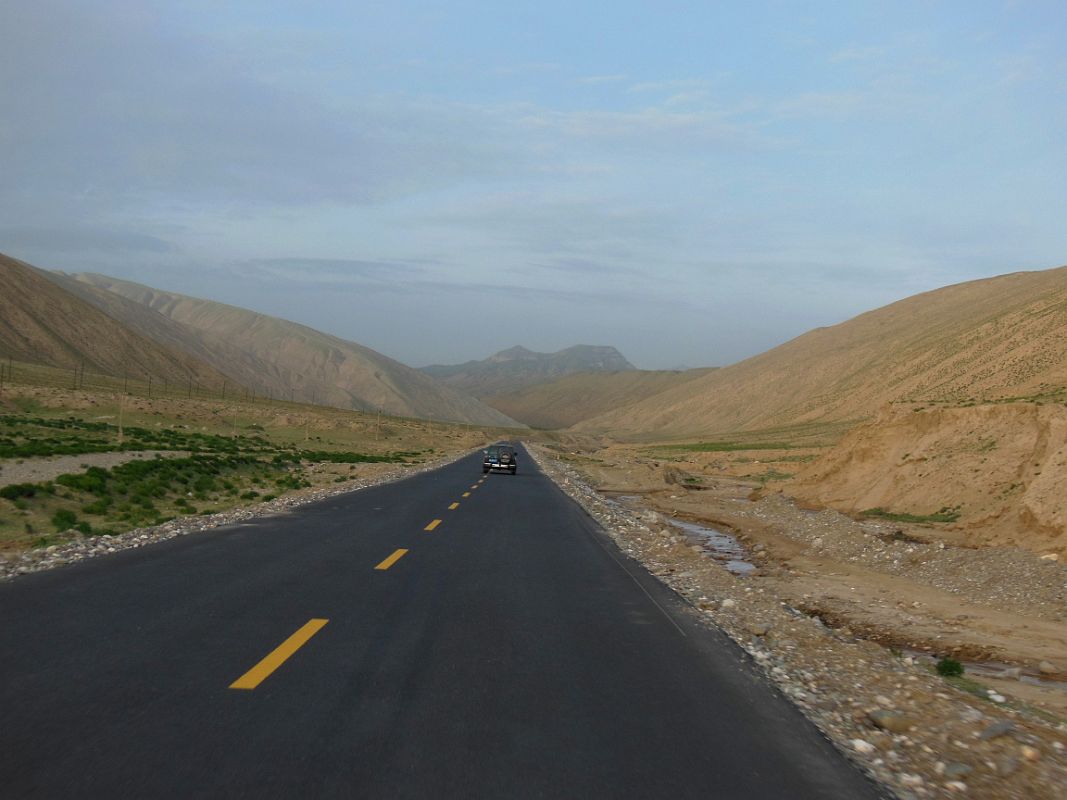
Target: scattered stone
{"type": "Point", "coordinates": [892, 721]}
{"type": "Point", "coordinates": [1007, 765]}
{"type": "Point", "coordinates": [1030, 753]}
{"type": "Point", "coordinates": [910, 780]}
{"type": "Point", "coordinates": [1011, 674]}
{"type": "Point", "coordinates": [1048, 668]}
{"type": "Point", "coordinates": [862, 746]}
{"type": "Point", "coordinates": [727, 603]}
{"type": "Point", "coordinates": [759, 628]}
{"type": "Point", "coordinates": [956, 786]}
{"type": "Point", "coordinates": [997, 729]}
{"type": "Point", "coordinates": [957, 769]}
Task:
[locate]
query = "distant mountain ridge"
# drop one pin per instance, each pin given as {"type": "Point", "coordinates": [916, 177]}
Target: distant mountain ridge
{"type": "Point", "coordinates": [567, 401]}
{"type": "Point", "coordinates": [517, 367]}
{"type": "Point", "coordinates": [278, 357]}
{"type": "Point", "coordinates": [42, 323]}
{"type": "Point", "coordinates": [989, 339]}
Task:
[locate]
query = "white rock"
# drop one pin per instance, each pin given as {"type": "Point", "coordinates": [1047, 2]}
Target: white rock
{"type": "Point", "coordinates": [862, 746]}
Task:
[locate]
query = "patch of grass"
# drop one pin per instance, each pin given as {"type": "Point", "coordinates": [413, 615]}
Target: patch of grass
{"type": "Point", "coordinates": [949, 667]}
{"type": "Point", "coordinates": [946, 514]}
{"type": "Point", "coordinates": [26, 437]}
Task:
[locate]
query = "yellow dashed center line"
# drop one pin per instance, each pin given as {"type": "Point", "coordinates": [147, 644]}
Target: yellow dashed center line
{"type": "Point", "coordinates": [432, 525]}
{"type": "Point", "coordinates": [453, 507]}
{"type": "Point", "coordinates": [466, 494]}
{"type": "Point", "coordinates": [475, 486]}
{"type": "Point", "coordinates": [399, 554]}
{"type": "Point", "coordinates": [261, 671]}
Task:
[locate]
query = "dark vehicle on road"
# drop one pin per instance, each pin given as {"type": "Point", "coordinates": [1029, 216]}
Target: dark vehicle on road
{"type": "Point", "coordinates": [499, 457]}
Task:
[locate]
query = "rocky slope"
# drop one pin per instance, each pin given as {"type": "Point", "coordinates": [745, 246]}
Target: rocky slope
{"type": "Point", "coordinates": [516, 368]}
{"type": "Point", "coordinates": [282, 358]}
{"type": "Point", "coordinates": [42, 323]}
{"type": "Point", "coordinates": [986, 339]}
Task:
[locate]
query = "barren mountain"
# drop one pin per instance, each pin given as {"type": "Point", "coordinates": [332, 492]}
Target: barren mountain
{"type": "Point", "coordinates": [283, 358]}
{"type": "Point", "coordinates": [986, 339]}
{"type": "Point", "coordinates": [568, 400]}
{"type": "Point", "coordinates": [42, 323]}
{"type": "Point", "coordinates": [516, 368]}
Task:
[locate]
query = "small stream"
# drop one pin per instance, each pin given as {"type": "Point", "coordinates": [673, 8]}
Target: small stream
{"type": "Point", "coordinates": [722, 547]}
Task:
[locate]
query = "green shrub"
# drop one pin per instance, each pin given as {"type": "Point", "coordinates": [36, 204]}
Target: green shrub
{"type": "Point", "coordinates": [949, 667]}
{"type": "Point", "coordinates": [100, 506]}
{"type": "Point", "coordinates": [14, 491]}
{"type": "Point", "coordinates": [64, 519]}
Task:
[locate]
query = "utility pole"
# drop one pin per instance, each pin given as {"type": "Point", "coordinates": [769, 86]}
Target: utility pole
{"type": "Point", "coordinates": [378, 430]}
{"type": "Point", "coordinates": [235, 422]}
{"type": "Point", "coordinates": [149, 387]}
{"type": "Point", "coordinates": [122, 407]}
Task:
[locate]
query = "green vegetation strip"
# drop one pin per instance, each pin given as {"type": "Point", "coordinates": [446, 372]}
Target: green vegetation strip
{"type": "Point", "coordinates": [946, 514]}
{"type": "Point", "coordinates": [28, 437]}
{"type": "Point", "coordinates": [727, 447]}
{"type": "Point", "coordinates": [142, 493]}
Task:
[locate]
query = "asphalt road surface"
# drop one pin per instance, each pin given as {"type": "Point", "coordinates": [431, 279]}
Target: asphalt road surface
{"type": "Point", "coordinates": [443, 636]}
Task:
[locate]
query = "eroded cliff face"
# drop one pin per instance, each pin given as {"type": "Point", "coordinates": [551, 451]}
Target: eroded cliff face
{"type": "Point", "coordinates": [1001, 467]}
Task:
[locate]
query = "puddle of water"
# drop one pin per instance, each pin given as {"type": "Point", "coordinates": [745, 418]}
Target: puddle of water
{"type": "Point", "coordinates": [723, 547]}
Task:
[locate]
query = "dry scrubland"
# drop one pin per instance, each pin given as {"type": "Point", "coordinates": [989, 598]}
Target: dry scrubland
{"type": "Point", "coordinates": [70, 473]}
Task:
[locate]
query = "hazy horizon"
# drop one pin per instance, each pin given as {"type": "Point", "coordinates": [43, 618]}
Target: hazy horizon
{"type": "Point", "coordinates": [689, 184]}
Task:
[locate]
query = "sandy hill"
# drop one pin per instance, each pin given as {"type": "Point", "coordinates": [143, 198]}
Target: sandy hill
{"type": "Point", "coordinates": [568, 400]}
{"type": "Point", "coordinates": [997, 471]}
{"type": "Point", "coordinates": [515, 368]}
{"type": "Point", "coordinates": [279, 357]}
{"type": "Point", "coordinates": [42, 323]}
{"type": "Point", "coordinates": [985, 339]}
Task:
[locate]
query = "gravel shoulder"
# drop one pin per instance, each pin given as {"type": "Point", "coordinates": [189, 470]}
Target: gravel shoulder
{"type": "Point", "coordinates": [917, 734]}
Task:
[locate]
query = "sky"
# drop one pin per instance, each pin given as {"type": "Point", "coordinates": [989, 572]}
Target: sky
{"type": "Point", "coordinates": [691, 182]}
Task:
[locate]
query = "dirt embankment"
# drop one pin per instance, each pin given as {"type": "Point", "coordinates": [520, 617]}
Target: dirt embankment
{"type": "Point", "coordinates": [999, 469]}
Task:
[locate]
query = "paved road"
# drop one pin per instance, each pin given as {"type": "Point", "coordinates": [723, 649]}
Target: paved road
{"type": "Point", "coordinates": [511, 652]}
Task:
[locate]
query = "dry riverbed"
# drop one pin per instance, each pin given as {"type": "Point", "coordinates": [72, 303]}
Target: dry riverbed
{"type": "Point", "coordinates": [843, 615]}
